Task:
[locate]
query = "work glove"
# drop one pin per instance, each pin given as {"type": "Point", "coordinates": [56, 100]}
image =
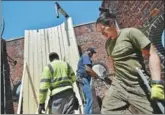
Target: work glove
{"type": "Point", "coordinates": [157, 91]}
{"type": "Point", "coordinates": [41, 108]}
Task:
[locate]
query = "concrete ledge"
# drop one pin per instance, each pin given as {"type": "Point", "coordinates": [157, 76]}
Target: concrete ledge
{"type": "Point", "coordinates": [22, 37]}
{"type": "Point", "coordinates": [13, 39]}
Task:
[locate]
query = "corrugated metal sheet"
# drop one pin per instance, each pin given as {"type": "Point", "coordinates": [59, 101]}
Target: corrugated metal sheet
{"type": "Point", "coordinates": [38, 45]}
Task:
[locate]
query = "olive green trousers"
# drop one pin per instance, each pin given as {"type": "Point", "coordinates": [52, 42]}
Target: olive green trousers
{"type": "Point", "coordinates": [122, 99]}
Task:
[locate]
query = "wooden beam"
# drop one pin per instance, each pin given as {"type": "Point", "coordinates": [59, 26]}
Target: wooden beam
{"type": "Point", "coordinates": [32, 85]}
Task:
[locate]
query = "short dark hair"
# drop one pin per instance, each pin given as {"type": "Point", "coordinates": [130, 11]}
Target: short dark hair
{"type": "Point", "coordinates": [53, 55]}
{"type": "Point", "coordinates": [106, 19]}
{"type": "Point", "coordinates": [92, 50]}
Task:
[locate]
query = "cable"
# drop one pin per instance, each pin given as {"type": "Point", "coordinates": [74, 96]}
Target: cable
{"type": "Point", "coordinates": [3, 26]}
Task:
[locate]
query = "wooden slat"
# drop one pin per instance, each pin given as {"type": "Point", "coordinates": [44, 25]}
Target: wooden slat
{"type": "Point", "coordinates": [47, 47]}
{"type": "Point", "coordinates": [32, 87]}
{"type": "Point", "coordinates": [51, 44]}
{"type": "Point", "coordinates": [65, 43]}
{"type": "Point", "coordinates": [56, 45]}
{"type": "Point", "coordinates": [39, 59]}
{"type": "Point", "coordinates": [60, 38]}
{"type": "Point", "coordinates": [47, 51]}
{"type": "Point", "coordinates": [26, 83]}
{"type": "Point", "coordinates": [31, 70]}
{"type": "Point", "coordinates": [43, 48]}
{"type": "Point", "coordinates": [73, 49]}
{"type": "Point", "coordinates": [36, 77]}
{"type": "Point", "coordinates": [40, 54]}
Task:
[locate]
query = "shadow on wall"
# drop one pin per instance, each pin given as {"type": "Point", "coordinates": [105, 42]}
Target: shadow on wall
{"type": "Point", "coordinates": [7, 107]}
{"type": "Point", "coordinates": [80, 51]}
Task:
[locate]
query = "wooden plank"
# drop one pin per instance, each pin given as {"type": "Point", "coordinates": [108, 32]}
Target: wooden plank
{"type": "Point", "coordinates": [44, 54]}
{"type": "Point", "coordinates": [73, 59]}
{"type": "Point", "coordinates": [26, 83]}
{"type": "Point", "coordinates": [39, 64]}
{"type": "Point", "coordinates": [73, 45]}
{"type": "Point", "coordinates": [30, 63]}
{"type": "Point", "coordinates": [40, 54]}
{"type": "Point", "coordinates": [56, 45]}
{"type": "Point", "coordinates": [65, 43]}
{"type": "Point", "coordinates": [47, 48]}
{"type": "Point", "coordinates": [36, 77]}
{"type": "Point", "coordinates": [43, 48]}
{"type": "Point", "coordinates": [32, 86]}
{"type": "Point", "coordinates": [47, 51]}
{"type": "Point", "coordinates": [50, 42]}
{"type": "Point", "coordinates": [60, 42]}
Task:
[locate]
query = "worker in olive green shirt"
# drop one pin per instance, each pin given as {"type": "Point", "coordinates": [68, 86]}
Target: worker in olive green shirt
{"type": "Point", "coordinates": [127, 48]}
{"type": "Point", "coordinates": [58, 76]}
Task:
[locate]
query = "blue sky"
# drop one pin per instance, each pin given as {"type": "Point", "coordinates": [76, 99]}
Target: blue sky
{"type": "Point", "coordinates": [27, 15]}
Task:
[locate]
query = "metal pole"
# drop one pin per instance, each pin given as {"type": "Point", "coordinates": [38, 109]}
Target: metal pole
{"type": "Point", "coordinates": [159, 104]}
{"type": "Point", "coordinates": [3, 75]}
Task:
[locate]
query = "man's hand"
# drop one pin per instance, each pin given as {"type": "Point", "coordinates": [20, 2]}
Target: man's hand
{"type": "Point", "coordinates": [41, 108]}
{"type": "Point", "coordinates": [157, 92]}
{"type": "Point", "coordinates": [90, 71]}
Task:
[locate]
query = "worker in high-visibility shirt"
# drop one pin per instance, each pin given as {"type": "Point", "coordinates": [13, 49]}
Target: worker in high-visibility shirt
{"type": "Point", "coordinates": [58, 76]}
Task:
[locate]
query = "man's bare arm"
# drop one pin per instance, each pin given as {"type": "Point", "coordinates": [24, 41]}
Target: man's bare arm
{"type": "Point", "coordinates": [90, 71]}
{"type": "Point", "coordinates": [154, 61]}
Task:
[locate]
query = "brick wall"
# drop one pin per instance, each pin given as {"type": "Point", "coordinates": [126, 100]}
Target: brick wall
{"type": "Point", "coordinates": [15, 52]}
{"type": "Point", "coordinates": [87, 36]}
{"type": "Point", "coordinates": [137, 13]}
{"type": "Point", "coordinates": [148, 16]}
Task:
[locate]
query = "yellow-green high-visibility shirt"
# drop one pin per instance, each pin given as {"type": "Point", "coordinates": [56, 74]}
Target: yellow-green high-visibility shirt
{"type": "Point", "coordinates": [62, 79]}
